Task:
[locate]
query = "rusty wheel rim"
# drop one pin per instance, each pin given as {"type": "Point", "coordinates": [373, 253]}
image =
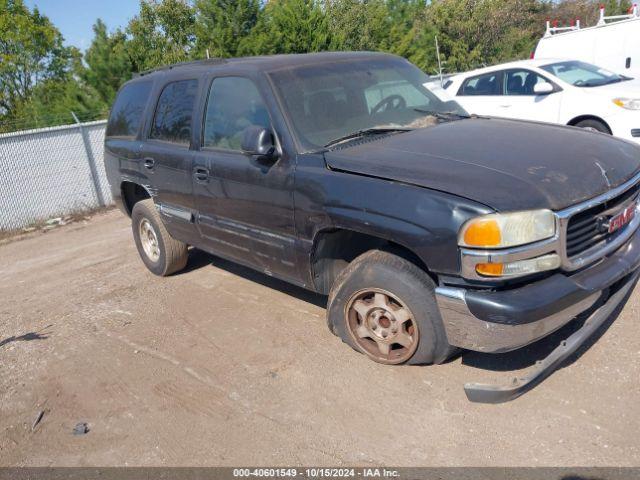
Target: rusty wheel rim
{"type": "Point", "coordinates": [382, 326]}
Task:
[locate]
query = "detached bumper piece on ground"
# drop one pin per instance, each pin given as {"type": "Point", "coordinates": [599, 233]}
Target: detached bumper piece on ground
{"type": "Point", "coordinates": [504, 321]}
{"type": "Point", "coordinates": [487, 393]}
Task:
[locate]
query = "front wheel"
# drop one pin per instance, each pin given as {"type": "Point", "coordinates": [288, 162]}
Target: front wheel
{"type": "Point", "coordinates": [161, 253]}
{"type": "Point", "coordinates": [384, 306]}
{"type": "Point", "coordinates": [594, 126]}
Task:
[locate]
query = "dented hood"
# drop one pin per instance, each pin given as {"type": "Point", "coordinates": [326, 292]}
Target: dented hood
{"type": "Point", "coordinates": [504, 164]}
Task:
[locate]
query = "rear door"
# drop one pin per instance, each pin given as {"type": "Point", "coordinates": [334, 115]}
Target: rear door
{"type": "Point", "coordinates": [122, 145]}
{"type": "Point", "coordinates": [245, 205]}
{"type": "Point", "coordinates": [482, 94]}
{"type": "Point", "coordinates": [167, 158]}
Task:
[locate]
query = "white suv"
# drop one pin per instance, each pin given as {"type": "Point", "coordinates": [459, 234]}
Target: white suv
{"type": "Point", "coordinates": [569, 92]}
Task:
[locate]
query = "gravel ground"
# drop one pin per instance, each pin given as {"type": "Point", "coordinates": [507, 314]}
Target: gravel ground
{"type": "Point", "coordinates": [220, 365]}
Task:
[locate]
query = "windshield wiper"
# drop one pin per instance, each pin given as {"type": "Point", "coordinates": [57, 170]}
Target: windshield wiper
{"type": "Point", "coordinates": [366, 133]}
{"type": "Point", "coordinates": [442, 115]}
{"type": "Point", "coordinates": [601, 84]}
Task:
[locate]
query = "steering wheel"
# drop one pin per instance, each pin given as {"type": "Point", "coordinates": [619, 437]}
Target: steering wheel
{"type": "Point", "coordinates": [392, 102]}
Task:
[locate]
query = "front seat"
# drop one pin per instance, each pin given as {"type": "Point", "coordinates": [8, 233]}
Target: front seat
{"type": "Point", "coordinates": [515, 85]}
{"type": "Point", "coordinates": [529, 83]}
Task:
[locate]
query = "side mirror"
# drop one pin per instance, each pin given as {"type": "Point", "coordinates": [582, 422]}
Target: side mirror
{"type": "Point", "coordinates": [258, 141]}
{"type": "Point", "coordinates": [543, 88]}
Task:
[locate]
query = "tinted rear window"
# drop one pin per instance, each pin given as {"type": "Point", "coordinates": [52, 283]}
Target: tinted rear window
{"type": "Point", "coordinates": [172, 120]}
{"type": "Point", "coordinates": [487, 84]}
{"type": "Point", "coordinates": [127, 110]}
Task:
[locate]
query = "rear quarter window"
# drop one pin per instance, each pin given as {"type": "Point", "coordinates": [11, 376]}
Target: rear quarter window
{"type": "Point", "coordinates": [127, 111]}
{"type": "Point", "coordinates": [174, 112]}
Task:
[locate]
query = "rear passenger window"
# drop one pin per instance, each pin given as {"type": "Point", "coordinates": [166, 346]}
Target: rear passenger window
{"type": "Point", "coordinates": [234, 104]}
{"type": "Point", "coordinates": [127, 110]}
{"type": "Point", "coordinates": [172, 120]}
{"type": "Point", "coordinates": [488, 84]}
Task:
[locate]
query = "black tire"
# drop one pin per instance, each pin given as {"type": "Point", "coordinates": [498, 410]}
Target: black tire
{"type": "Point", "coordinates": [170, 254]}
{"type": "Point", "coordinates": [591, 124]}
{"type": "Point", "coordinates": [408, 286]}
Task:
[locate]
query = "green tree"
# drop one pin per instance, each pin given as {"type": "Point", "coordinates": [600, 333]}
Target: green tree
{"type": "Point", "coordinates": [221, 25]}
{"type": "Point", "coordinates": [107, 62]}
{"type": "Point", "coordinates": [588, 11]}
{"type": "Point", "coordinates": [52, 99]}
{"type": "Point", "coordinates": [617, 7]}
{"type": "Point", "coordinates": [31, 50]}
{"type": "Point", "coordinates": [41, 79]}
{"type": "Point", "coordinates": [163, 33]}
{"type": "Point", "coordinates": [418, 46]}
{"type": "Point", "coordinates": [357, 24]}
{"type": "Point", "coordinates": [477, 32]}
{"type": "Point", "coordinates": [288, 26]}
{"type": "Point", "coordinates": [52, 102]}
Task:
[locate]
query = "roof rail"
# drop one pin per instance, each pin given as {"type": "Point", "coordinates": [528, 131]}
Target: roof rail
{"type": "Point", "coordinates": [633, 13]}
{"type": "Point", "coordinates": [553, 28]}
{"type": "Point", "coordinates": [208, 61]}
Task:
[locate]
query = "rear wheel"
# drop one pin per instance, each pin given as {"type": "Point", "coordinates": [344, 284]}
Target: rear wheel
{"type": "Point", "coordinates": [161, 253]}
{"type": "Point", "coordinates": [384, 306]}
{"type": "Point", "coordinates": [594, 126]}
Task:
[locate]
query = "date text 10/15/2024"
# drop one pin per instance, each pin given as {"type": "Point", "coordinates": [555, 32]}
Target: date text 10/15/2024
{"type": "Point", "coordinates": [315, 472]}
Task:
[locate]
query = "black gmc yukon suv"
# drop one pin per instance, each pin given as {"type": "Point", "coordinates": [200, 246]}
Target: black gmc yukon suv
{"type": "Point", "coordinates": [429, 229]}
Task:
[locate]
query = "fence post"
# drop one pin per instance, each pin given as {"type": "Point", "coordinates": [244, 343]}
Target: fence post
{"type": "Point", "coordinates": [90, 160]}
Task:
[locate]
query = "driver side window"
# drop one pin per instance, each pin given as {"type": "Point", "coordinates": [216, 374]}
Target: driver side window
{"type": "Point", "coordinates": [522, 82]}
{"type": "Point", "coordinates": [234, 104]}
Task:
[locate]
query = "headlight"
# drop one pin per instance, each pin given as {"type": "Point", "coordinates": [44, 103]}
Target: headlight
{"type": "Point", "coordinates": [501, 230]}
{"type": "Point", "coordinates": [628, 103]}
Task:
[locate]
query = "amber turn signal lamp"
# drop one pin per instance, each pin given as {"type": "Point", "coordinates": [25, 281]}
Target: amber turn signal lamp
{"type": "Point", "coordinates": [483, 233]}
{"type": "Point", "coordinates": [490, 269]}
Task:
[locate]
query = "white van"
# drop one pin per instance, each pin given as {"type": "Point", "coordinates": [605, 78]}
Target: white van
{"type": "Point", "coordinates": [614, 43]}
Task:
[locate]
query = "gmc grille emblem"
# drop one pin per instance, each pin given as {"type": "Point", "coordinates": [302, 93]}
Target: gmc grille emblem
{"type": "Point", "coordinates": [612, 224]}
{"type": "Point", "coordinates": [618, 221]}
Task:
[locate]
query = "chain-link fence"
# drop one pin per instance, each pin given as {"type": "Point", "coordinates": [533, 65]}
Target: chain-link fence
{"type": "Point", "coordinates": [51, 172]}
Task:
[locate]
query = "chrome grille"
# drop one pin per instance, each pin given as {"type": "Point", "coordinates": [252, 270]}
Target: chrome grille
{"type": "Point", "coordinates": [583, 228]}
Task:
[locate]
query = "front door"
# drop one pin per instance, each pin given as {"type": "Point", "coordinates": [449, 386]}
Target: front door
{"type": "Point", "coordinates": [245, 206]}
{"type": "Point", "coordinates": [521, 102]}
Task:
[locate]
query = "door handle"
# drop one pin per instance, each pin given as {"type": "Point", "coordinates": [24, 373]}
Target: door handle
{"type": "Point", "coordinates": [149, 163]}
{"type": "Point", "coordinates": [201, 174]}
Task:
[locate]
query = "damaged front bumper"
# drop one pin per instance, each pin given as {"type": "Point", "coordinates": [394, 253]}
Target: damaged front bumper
{"type": "Point", "coordinates": [505, 320]}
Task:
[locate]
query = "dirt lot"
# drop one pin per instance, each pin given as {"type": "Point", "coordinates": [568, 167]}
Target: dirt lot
{"type": "Point", "coordinates": [223, 366]}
